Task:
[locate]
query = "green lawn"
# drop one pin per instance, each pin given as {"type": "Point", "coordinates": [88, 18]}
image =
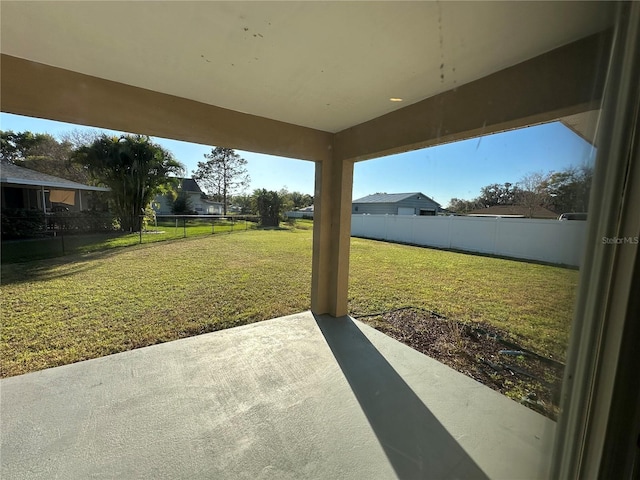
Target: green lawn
{"type": "Point", "coordinates": [534, 302]}
{"type": "Point", "coordinates": [81, 306]}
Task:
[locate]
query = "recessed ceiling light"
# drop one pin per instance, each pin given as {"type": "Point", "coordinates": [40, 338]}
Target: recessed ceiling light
{"type": "Point", "coordinates": [394, 99]}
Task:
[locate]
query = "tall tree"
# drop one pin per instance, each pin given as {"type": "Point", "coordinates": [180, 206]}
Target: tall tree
{"type": "Point", "coordinates": [223, 174]}
{"type": "Point", "coordinates": [564, 191]}
{"type": "Point", "coordinates": [534, 191]}
{"type": "Point", "coordinates": [269, 205]}
{"type": "Point", "coordinates": [79, 138]}
{"type": "Point", "coordinates": [296, 200]}
{"type": "Point", "coordinates": [41, 152]}
{"type": "Point", "coordinates": [458, 205]}
{"type": "Point", "coordinates": [498, 194]}
{"type": "Point", "coordinates": [133, 167]}
{"type": "Point", "coordinates": [569, 189]}
{"type": "Point", "coordinates": [245, 203]}
{"type": "Point", "coordinates": [182, 205]}
{"type": "Point", "coordinates": [15, 147]}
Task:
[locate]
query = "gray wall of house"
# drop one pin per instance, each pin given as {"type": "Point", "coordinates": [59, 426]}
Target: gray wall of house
{"type": "Point", "coordinates": [161, 205]}
{"type": "Point", "coordinates": [392, 208]}
{"type": "Point", "coordinates": [164, 204]}
{"type": "Point", "coordinates": [197, 204]}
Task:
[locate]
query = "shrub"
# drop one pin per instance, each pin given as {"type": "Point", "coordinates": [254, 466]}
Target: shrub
{"type": "Point", "coordinates": [22, 223]}
{"type": "Point", "coordinates": [182, 205]}
{"type": "Point", "coordinates": [89, 221]}
{"type": "Point", "coordinates": [149, 218]}
{"type": "Point", "coordinates": [270, 206]}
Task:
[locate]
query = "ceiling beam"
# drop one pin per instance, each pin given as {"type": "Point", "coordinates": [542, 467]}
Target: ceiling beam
{"type": "Point", "coordinates": [38, 90]}
{"type": "Point", "coordinates": [564, 81]}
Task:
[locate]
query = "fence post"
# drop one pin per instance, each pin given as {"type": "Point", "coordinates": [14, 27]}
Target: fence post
{"type": "Point", "coordinates": [184, 227]}
{"type": "Point", "coordinates": [61, 237]}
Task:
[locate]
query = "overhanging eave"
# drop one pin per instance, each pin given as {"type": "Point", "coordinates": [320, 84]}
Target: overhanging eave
{"type": "Point", "coordinates": [38, 90]}
{"type": "Point", "coordinates": [564, 81]}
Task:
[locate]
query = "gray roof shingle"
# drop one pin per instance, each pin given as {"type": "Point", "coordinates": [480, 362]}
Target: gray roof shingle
{"type": "Point", "coordinates": [190, 185]}
{"type": "Point", "coordinates": [13, 174]}
{"type": "Point", "coordinates": [389, 197]}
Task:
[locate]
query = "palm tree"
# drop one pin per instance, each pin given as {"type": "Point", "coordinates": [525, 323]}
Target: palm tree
{"type": "Point", "coordinates": [133, 167]}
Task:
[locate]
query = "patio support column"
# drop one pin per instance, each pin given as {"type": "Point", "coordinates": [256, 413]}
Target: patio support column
{"type": "Point", "coordinates": [44, 201]}
{"type": "Point", "coordinates": [331, 237]}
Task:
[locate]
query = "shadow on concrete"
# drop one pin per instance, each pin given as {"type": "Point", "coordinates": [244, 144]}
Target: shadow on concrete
{"type": "Point", "coordinates": [415, 442]}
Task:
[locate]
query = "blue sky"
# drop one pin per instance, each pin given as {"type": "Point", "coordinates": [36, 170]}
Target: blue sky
{"type": "Point", "coordinates": [453, 170]}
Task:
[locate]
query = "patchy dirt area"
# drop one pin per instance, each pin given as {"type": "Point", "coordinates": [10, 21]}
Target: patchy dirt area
{"type": "Point", "coordinates": [482, 352]}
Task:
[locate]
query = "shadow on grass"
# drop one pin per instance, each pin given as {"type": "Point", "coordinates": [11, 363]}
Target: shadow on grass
{"type": "Point", "coordinates": [27, 250]}
{"type": "Point", "coordinates": [44, 269]}
{"type": "Point", "coordinates": [415, 442]}
{"type": "Point", "coordinates": [17, 251]}
{"type": "Point", "coordinates": [34, 266]}
{"type": "Point", "coordinates": [34, 259]}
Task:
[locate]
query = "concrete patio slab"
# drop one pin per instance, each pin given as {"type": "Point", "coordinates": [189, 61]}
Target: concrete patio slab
{"type": "Point", "coordinates": [295, 397]}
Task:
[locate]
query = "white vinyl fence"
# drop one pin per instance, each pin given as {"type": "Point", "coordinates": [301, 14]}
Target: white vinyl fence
{"type": "Point", "coordinates": [298, 214]}
{"type": "Point", "coordinates": [552, 241]}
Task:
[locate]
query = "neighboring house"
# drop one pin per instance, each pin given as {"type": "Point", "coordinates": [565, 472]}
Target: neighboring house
{"type": "Point", "coordinates": [305, 212]}
{"type": "Point", "coordinates": [513, 211]}
{"type": "Point", "coordinates": [415, 203]}
{"type": "Point", "coordinates": [197, 200]}
{"type": "Point", "coordinates": [22, 188]}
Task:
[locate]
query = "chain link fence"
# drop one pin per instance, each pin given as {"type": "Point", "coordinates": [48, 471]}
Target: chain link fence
{"type": "Point", "coordinates": [175, 226]}
{"type": "Point", "coordinates": [29, 234]}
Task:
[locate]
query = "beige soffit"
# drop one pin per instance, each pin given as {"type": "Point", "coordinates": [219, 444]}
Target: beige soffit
{"type": "Point", "coordinates": [584, 124]}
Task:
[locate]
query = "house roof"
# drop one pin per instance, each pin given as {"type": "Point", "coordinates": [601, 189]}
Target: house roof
{"type": "Point", "coordinates": [514, 210]}
{"type": "Point", "coordinates": [390, 197]}
{"type": "Point", "coordinates": [15, 175]}
{"type": "Point", "coordinates": [189, 185]}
